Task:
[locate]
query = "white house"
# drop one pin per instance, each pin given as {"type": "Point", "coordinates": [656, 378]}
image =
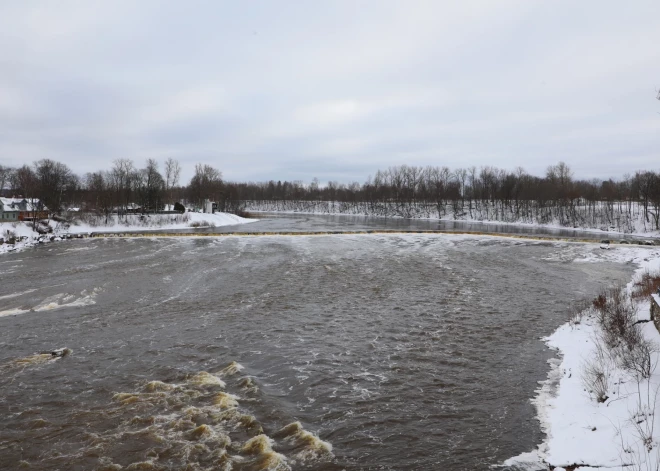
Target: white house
{"type": "Point", "coordinates": [8, 211]}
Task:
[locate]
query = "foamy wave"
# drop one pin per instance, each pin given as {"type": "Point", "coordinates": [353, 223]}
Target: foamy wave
{"type": "Point", "coordinates": [153, 386]}
{"type": "Point", "coordinates": [55, 302]}
{"type": "Point", "coordinates": [15, 295]}
{"type": "Point", "coordinates": [307, 445]}
{"type": "Point", "coordinates": [195, 424]}
{"type": "Point", "coordinates": [206, 379]}
{"type": "Point", "coordinates": [247, 385]}
{"type": "Point", "coordinates": [225, 401]}
{"type": "Point", "coordinates": [13, 312]}
{"type": "Point", "coordinates": [264, 457]}
{"type": "Point", "coordinates": [36, 359]}
{"type": "Point", "coordinates": [79, 249]}
{"type": "Point", "coordinates": [231, 369]}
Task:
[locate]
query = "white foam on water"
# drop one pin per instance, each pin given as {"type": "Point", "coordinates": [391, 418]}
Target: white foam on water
{"type": "Point", "coordinates": [35, 359]}
{"type": "Point", "coordinates": [308, 446]}
{"type": "Point", "coordinates": [203, 427]}
{"type": "Point", "coordinates": [13, 312]}
{"type": "Point", "coordinates": [64, 300]}
{"type": "Point", "coordinates": [231, 369]}
{"type": "Point", "coordinates": [15, 295]}
{"type": "Point", "coordinates": [79, 249]}
{"type": "Point", "coordinates": [51, 302]}
{"type": "Point", "coordinates": [204, 378]}
{"type": "Point", "coordinates": [54, 302]}
{"type": "Point", "coordinates": [225, 400]}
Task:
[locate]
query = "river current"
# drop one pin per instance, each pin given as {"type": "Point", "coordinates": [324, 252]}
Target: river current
{"type": "Point", "coordinates": [326, 352]}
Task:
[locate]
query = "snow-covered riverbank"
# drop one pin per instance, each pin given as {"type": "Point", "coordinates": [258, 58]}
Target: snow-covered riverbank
{"type": "Point", "coordinates": [635, 224]}
{"type": "Point", "coordinates": [137, 222]}
{"type": "Point", "coordinates": [622, 430]}
{"type": "Point", "coordinates": [26, 237]}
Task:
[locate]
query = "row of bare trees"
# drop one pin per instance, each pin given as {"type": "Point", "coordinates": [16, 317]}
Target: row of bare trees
{"type": "Point", "coordinates": [46, 182]}
{"type": "Point", "coordinates": [123, 188]}
{"type": "Point", "coordinates": [629, 204]}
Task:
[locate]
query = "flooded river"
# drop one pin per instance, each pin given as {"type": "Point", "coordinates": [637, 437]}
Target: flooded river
{"type": "Point", "coordinates": [341, 352]}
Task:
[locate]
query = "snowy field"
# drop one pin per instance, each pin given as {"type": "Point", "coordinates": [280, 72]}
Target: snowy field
{"type": "Point", "coordinates": [29, 238]}
{"type": "Point", "coordinates": [621, 430]}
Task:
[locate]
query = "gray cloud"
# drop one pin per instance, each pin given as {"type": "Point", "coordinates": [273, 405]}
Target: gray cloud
{"type": "Point", "coordinates": [335, 90]}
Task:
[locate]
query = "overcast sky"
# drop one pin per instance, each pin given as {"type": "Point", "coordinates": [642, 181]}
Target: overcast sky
{"type": "Point", "coordinates": [331, 89]}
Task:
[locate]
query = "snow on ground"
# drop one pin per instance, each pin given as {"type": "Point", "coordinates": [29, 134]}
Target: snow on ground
{"type": "Point", "coordinates": [26, 237]}
{"type": "Point", "coordinates": [136, 222]}
{"type": "Point", "coordinates": [559, 227]}
{"type": "Point", "coordinates": [639, 225]}
{"type": "Point", "coordinates": [621, 433]}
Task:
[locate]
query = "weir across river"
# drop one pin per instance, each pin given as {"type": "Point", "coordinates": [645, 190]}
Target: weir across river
{"type": "Point", "coordinates": [550, 238]}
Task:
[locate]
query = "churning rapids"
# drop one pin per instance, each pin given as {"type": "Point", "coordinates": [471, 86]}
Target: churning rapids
{"type": "Point", "coordinates": [343, 352]}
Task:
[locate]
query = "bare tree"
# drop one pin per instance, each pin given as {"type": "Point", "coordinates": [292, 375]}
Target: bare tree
{"type": "Point", "coordinates": [5, 173]}
{"type": "Point", "coordinates": [153, 187]}
{"type": "Point", "coordinates": [205, 184]}
{"type": "Point", "coordinates": [25, 183]}
{"type": "Point", "coordinates": [99, 193]}
{"type": "Point", "coordinates": [172, 174]}
{"type": "Point", "coordinates": [54, 179]}
{"type": "Point", "coordinates": [120, 177]}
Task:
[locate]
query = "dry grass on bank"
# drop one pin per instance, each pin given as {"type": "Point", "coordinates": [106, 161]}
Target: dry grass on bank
{"type": "Point", "coordinates": [648, 285]}
{"type": "Point", "coordinates": [621, 343]}
{"type": "Point", "coordinates": [202, 223]}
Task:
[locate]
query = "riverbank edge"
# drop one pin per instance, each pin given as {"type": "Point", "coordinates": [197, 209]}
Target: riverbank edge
{"type": "Point", "coordinates": [448, 218]}
{"type": "Point", "coordinates": [27, 237]}
{"type": "Point", "coordinates": [582, 434]}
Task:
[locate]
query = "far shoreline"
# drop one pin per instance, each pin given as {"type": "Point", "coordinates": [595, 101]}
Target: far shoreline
{"type": "Point", "coordinates": [203, 228]}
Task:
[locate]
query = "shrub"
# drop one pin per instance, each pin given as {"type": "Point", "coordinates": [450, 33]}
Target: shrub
{"type": "Point", "coordinates": [638, 359]}
{"type": "Point", "coordinates": [243, 214]}
{"type": "Point", "coordinates": [596, 374]}
{"type": "Point", "coordinates": [10, 237]}
{"type": "Point", "coordinates": [202, 224]}
{"type": "Point", "coordinates": [600, 302]}
{"type": "Point", "coordinates": [179, 207]}
{"type": "Point", "coordinates": [622, 335]}
{"type": "Point", "coordinates": [649, 284]}
{"type": "Point", "coordinates": [577, 311]}
{"type": "Point", "coordinates": [617, 316]}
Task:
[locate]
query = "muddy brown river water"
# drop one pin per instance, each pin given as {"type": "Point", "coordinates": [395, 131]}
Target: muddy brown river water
{"type": "Point", "coordinates": [342, 352]}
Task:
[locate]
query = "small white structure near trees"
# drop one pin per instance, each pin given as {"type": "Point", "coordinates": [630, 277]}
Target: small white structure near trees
{"type": "Point", "coordinates": [209, 206]}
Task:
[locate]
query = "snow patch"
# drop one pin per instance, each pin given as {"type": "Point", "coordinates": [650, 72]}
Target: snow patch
{"type": "Point", "coordinates": [136, 222]}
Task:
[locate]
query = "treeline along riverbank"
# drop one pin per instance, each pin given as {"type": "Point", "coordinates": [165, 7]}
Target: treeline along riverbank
{"type": "Point", "coordinates": [630, 204]}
